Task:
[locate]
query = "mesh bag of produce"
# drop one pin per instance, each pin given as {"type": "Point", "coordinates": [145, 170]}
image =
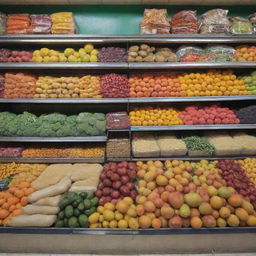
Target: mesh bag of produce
{"type": "Point", "coordinates": [10, 151]}
{"type": "Point", "coordinates": [220, 53]}
{"type": "Point", "coordinates": [40, 24]}
{"type": "Point", "coordinates": [253, 21]}
{"type": "Point", "coordinates": [2, 23]}
{"type": "Point", "coordinates": [171, 146]}
{"type": "Point", "coordinates": [145, 145]}
{"type": "Point", "coordinates": [190, 54]}
{"type": "Point", "coordinates": [184, 22]}
{"type": "Point", "coordinates": [241, 26]}
{"type": "Point", "coordinates": [63, 23]}
{"type": "Point", "coordinates": [112, 54]}
{"type": "Point", "coordinates": [155, 21]}
{"type": "Point", "coordinates": [247, 142]}
{"type": "Point", "coordinates": [17, 23]}
{"type": "Point", "coordinates": [118, 120]}
{"type": "Point", "coordinates": [118, 148]}
{"type": "Point", "coordinates": [214, 21]}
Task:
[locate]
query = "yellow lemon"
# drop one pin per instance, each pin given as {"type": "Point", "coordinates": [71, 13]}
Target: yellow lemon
{"type": "Point", "coordinates": [105, 224]}
{"type": "Point", "coordinates": [113, 224]}
{"type": "Point", "coordinates": [108, 215]}
{"type": "Point", "coordinates": [94, 218]}
{"type": "Point", "coordinates": [122, 224]}
{"type": "Point", "coordinates": [109, 206]}
{"type": "Point", "coordinates": [88, 48]}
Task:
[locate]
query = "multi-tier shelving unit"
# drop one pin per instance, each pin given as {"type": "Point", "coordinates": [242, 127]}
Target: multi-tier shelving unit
{"type": "Point", "coordinates": [120, 104]}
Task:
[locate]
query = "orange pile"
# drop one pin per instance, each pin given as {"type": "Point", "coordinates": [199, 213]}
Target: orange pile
{"type": "Point", "coordinates": [158, 85]}
{"type": "Point", "coordinates": [89, 87]}
{"type": "Point", "coordinates": [212, 83]}
{"type": "Point", "coordinates": [148, 116]}
{"type": "Point", "coordinates": [246, 53]}
{"type": "Point", "coordinates": [12, 200]}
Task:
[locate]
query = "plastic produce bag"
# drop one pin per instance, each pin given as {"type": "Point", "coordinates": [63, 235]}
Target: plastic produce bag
{"type": "Point", "coordinates": [2, 23]}
{"type": "Point", "coordinates": [241, 26]}
{"type": "Point", "coordinates": [63, 23]}
{"type": "Point", "coordinates": [253, 21]}
{"type": "Point", "coordinates": [190, 54]}
{"type": "Point", "coordinates": [220, 53]}
{"type": "Point", "coordinates": [118, 120]}
{"type": "Point", "coordinates": [17, 23]}
{"type": "Point", "coordinates": [11, 151]}
{"type": "Point", "coordinates": [155, 21]}
{"type": "Point", "coordinates": [214, 21]}
{"type": "Point", "coordinates": [184, 22]}
{"type": "Point", "coordinates": [40, 24]}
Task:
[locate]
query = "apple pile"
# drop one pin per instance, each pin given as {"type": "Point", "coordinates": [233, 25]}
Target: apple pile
{"type": "Point", "coordinates": [208, 115]}
{"type": "Point", "coordinates": [117, 182]}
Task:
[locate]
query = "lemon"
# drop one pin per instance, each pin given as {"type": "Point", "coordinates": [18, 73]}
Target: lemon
{"type": "Point", "coordinates": [93, 58]}
{"type": "Point", "coordinates": [94, 218]}
{"type": "Point", "coordinates": [109, 206]}
{"type": "Point", "coordinates": [94, 52]}
{"type": "Point", "coordinates": [119, 216]}
{"type": "Point", "coordinates": [108, 215]}
{"type": "Point", "coordinates": [133, 223]}
{"type": "Point", "coordinates": [46, 59]}
{"type": "Point", "coordinates": [105, 224]}
{"type": "Point", "coordinates": [76, 54]}
{"type": "Point", "coordinates": [62, 58]}
{"type": "Point", "coordinates": [88, 48]}
{"type": "Point", "coordinates": [81, 52]}
{"type": "Point", "coordinates": [86, 58]}
{"type": "Point", "coordinates": [100, 209]}
{"type": "Point", "coordinates": [37, 59]}
{"type": "Point", "coordinates": [72, 58]}
{"type": "Point", "coordinates": [113, 224]}
{"type": "Point", "coordinates": [44, 52]}
{"type": "Point", "coordinates": [36, 53]}
{"type": "Point", "coordinates": [101, 218]}
{"type": "Point", "coordinates": [122, 224]}
{"type": "Point", "coordinates": [53, 53]}
{"type": "Point", "coordinates": [54, 59]}
{"type": "Point", "coordinates": [128, 200]}
{"type": "Point", "coordinates": [69, 51]}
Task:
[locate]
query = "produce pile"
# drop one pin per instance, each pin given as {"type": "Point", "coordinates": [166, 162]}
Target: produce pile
{"type": "Point", "coordinates": [85, 54]}
{"type": "Point", "coordinates": [145, 53]}
{"type": "Point", "coordinates": [248, 165]}
{"type": "Point", "coordinates": [170, 194]}
{"type": "Point", "coordinates": [89, 87]}
{"type": "Point", "coordinates": [19, 85]}
{"type": "Point", "coordinates": [71, 152]}
{"type": "Point", "coordinates": [212, 83]}
{"type": "Point", "coordinates": [155, 85]}
{"type": "Point", "coordinates": [2, 82]}
{"type": "Point", "coordinates": [112, 54]}
{"type": "Point", "coordinates": [250, 82]}
{"type": "Point", "coordinates": [52, 125]}
{"type": "Point", "coordinates": [149, 116]}
{"type": "Point", "coordinates": [6, 151]}
{"type": "Point", "coordinates": [247, 115]}
{"type": "Point", "coordinates": [245, 53]}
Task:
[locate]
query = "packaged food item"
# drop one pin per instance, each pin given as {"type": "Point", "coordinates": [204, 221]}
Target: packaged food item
{"type": "Point", "coordinates": [220, 53]}
{"type": "Point", "coordinates": [17, 23]}
{"type": "Point", "coordinates": [10, 151]}
{"type": "Point", "coordinates": [241, 26]}
{"type": "Point", "coordinates": [40, 24]}
{"type": "Point", "coordinates": [253, 21]}
{"type": "Point", "coordinates": [145, 145]}
{"type": "Point", "coordinates": [214, 21]}
{"type": "Point", "coordinates": [118, 120]}
{"type": "Point", "coordinates": [118, 148]}
{"type": "Point", "coordinates": [63, 23]}
{"type": "Point", "coordinates": [184, 22]}
{"type": "Point", "coordinates": [2, 23]}
{"type": "Point", "coordinates": [155, 21]}
{"type": "Point", "coordinates": [112, 54]}
{"type": "Point", "coordinates": [171, 146]}
{"type": "Point", "coordinates": [190, 54]}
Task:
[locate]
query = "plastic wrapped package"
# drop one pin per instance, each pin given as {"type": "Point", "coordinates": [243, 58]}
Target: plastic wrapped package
{"type": "Point", "coordinates": [118, 148]}
{"type": "Point", "coordinates": [220, 53]}
{"type": "Point", "coordinates": [171, 146]}
{"type": "Point", "coordinates": [214, 21]}
{"type": "Point", "coordinates": [253, 21]}
{"type": "Point", "coordinates": [5, 54]}
{"type": "Point", "coordinates": [184, 22]}
{"type": "Point", "coordinates": [11, 151]}
{"type": "Point", "coordinates": [247, 142]}
{"type": "Point", "coordinates": [118, 120]}
{"type": "Point", "coordinates": [145, 145]}
{"type": "Point", "coordinates": [40, 24]}
{"type": "Point", "coordinates": [241, 26]}
{"type": "Point", "coordinates": [190, 54]}
{"type": "Point", "coordinates": [17, 23]}
{"type": "Point", "coordinates": [155, 21]}
{"type": "Point", "coordinates": [2, 23]}
{"type": "Point", "coordinates": [63, 23]}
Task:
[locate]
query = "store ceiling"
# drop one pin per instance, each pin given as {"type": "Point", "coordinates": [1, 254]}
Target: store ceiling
{"type": "Point", "coordinates": [169, 2]}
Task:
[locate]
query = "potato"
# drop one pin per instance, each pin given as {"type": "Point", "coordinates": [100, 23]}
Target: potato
{"type": "Point", "coordinates": [149, 58]}
{"type": "Point", "coordinates": [139, 59]}
{"type": "Point", "coordinates": [134, 48]}
{"type": "Point", "coordinates": [159, 58]}
{"type": "Point", "coordinates": [144, 47]}
{"type": "Point", "coordinates": [131, 59]}
{"type": "Point", "coordinates": [143, 53]}
{"type": "Point", "coordinates": [133, 54]}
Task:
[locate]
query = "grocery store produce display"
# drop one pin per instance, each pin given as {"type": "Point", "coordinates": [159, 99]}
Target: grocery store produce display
{"type": "Point", "coordinates": [250, 82]}
{"type": "Point", "coordinates": [50, 125]}
{"type": "Point", "coordinates": [173, 194]}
